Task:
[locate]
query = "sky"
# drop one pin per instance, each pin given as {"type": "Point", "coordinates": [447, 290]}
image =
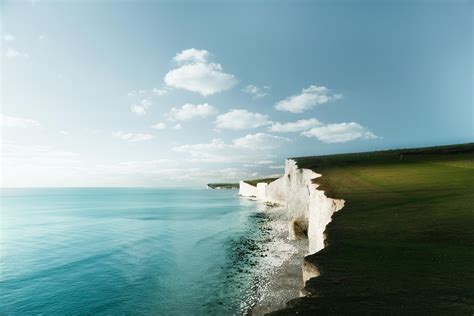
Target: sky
{"type": "Point", "coordinates": [182, 93]}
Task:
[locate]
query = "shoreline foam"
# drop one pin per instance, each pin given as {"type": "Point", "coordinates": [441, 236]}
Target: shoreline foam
{"type": "Point", "coordinates": [280, 260]}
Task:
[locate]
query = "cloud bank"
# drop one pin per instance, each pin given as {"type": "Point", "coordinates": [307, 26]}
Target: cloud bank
{"type": "Point", "coordinates": [298, 126]}
{"type": "Point", "coordinates": [197, 74]}
{"type": "Point", "coordinates": [241, 119]}
{"type": "Point", "coordinates": [14, 121]}
{"type": "Point", "coordinates": [307, 99]}
{"type": "Point", "coordinates": [248, 148]}
{"type": "Point", "coordinates": [255, 91]}
{"type": "Point", "coordinates": [132, 137]}
{"type": "Point", "coordinates": [189, 111]}
{"type": "Point", "coordinates": [141, 108]}
{"type": "Point", "coordinates": [340, 132]}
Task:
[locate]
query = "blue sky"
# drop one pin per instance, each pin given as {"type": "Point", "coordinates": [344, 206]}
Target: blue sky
{"type": "Point", "coordinates": [181, 93]}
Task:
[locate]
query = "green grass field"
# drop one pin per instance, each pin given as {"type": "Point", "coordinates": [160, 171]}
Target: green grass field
{"type": "Point", "coordinates": [404, 242]}
{"type": "Point", "coordinates": [223, 185]}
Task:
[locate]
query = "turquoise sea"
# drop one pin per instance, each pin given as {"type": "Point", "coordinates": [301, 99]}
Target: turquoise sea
{"type": "Point", "coordinates": [126, 251]}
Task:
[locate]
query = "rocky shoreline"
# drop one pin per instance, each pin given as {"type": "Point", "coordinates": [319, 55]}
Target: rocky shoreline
{"type": "Point", "coordinates": [282, 283]}
{"type": "Point", "coordinates": [304, 212]}
{"type": "Point", "coordinates": [274, 261]}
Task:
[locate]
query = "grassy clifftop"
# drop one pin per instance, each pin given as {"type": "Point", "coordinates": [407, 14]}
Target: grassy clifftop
{"type": "Point", "coordinates": [254, 182]}
{"type": "Point", "coordinates": [403, 243]}
{"type": "Point", "coordinates": [223, 185]}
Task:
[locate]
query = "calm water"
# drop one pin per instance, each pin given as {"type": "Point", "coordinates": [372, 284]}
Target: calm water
{"type": "Point", "coordinates": [122, 251]}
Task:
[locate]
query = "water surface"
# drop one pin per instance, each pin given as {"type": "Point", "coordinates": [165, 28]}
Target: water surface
{"type": "Point", "coordinates": [116, 250]}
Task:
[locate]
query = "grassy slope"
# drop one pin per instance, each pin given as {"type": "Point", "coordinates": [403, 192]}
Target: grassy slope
{"type": "Point", "coordinates": [404, 241]}
{"type": "Point", "coordinates": [255, 181]}
{"type": "Point", "coordinates": [223, 185]}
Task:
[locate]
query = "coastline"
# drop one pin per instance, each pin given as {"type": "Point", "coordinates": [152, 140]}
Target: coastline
{"type": "Point", "coordinates": [304, 212]}
{"type": "Point", "coordinates": [384, 247]}
{"type": "Point", "coordinates": [282, 283]}
{"type": "Point", "coordinates": [278, 275]}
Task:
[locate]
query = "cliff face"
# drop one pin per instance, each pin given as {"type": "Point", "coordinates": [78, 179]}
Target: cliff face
{"type": "Point", "coordinates": [309, 210]}
{"type": "Point", "coordinates": [276, 192]}
{"type": "Point", "coordinates": [247, 190]}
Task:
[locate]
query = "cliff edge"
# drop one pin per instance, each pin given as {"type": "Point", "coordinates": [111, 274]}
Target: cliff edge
{"type": "Point", "coordinates": [308, 209]}
{"type": "Point", "coordinates": [403, 243]}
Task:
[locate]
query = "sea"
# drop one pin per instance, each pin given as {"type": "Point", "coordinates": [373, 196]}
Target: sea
{"type": "Point", "coordinates": [121, 251]}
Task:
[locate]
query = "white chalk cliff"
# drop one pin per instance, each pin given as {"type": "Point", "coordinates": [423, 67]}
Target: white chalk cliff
{"type": "Point", "coordinates": [247, 190]}
{"type": "Point", "coordinates": [309, 210]}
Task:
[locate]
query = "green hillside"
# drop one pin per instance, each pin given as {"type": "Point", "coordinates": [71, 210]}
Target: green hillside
{"type": "Point", "coordinates": [223, 185]}
{"type": "Point", "coordinates": [254, 182]}
{"type": "Point", "coordinates": [404, 242]}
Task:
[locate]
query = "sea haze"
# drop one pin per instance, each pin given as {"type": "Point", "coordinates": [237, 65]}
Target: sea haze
{"type": "Point", "coordinates": [117, 250]}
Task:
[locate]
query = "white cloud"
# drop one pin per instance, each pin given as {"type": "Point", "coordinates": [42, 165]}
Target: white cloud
{"type": "Point", "coordinates": [215, 151]}
{"type": "Point", "coordinates": [8, 37]}
{"type": "Point", "coordinates": [132, 137]}
{"type": "Point", "coordinates": [260, 141]}
{"type": "Point", "coordinates": [256, 92]}
{"type": "Point", "coordinates": [13, 121]}
{"type": "Point", "coordinates": [150, 93]}
{"type": "Point", "coordinates": [13, 53]}
{"type": "Point", "coordinates": [263, 162]}
{"type": "Point", "coordinates": [146, 167]}
{"type": "Point", "coordinates": [216, 143]}
{"type": "Point", "coordinates": [308, 98]}
{"type": "Point", "coordinates": [64, 133]}
{"type": "Point", "coordinates": [159, 92]}
{"type": "Point", "coordinates": [26, 154]}
{"type": "Point", "coordinates": [164, 171]}
{"type": "Point", "coordinates": [146, 102]}
{"type": "Point", "coordinates": [137, 92]}
{"type": "Point", "coordinates": [241, 119]}
{"type": "Point", "coordinates": [251, 147]}
{"type": "Point", "coordinates": [192, 55]}
{"type": "Point", "coordinates": [141, 108]}
{"type": "Point", "coordinates": [159, 126]}
{"type": "Point", "coordinates": [277, 167]}
{"type": "Point", "coordinates": [298, 126]}
{"type": "Point", "coordinates": [196, 74]}
{"type": "Point", "coordinates": [138, 109]}
{"type": "Point", "coordinates": [177, 126]}
{"type": "Point", "coordinates": [258, 163]}
{"type": "Point", "coordinates": [340, 132]}
{"type": "Point", "coordinates": [36, 165]}
{"type": "Point", "coordinates": [189, 111]}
